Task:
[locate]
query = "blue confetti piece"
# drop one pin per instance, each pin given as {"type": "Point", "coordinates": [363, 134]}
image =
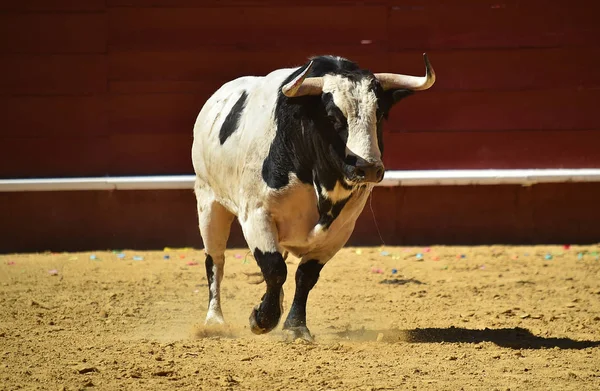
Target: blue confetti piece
{"type": "Point", "coordinates": [548, 257]}
{"type": "Point", "coordinates": [93, 257]}
{"type": "Point", "coordinates": [166, 257]}
{"type": "Point", "coordinates": [580, 256]}
{"type": "Point", "coordinates": [138, 258]}
{"type": "Point", "coordinates": [419, 255]}
{"type": "Point", "coordinates": [463, 256]}
{"type": "Point", "coordinates": [121, 255]}
{"type": "Point", "coordinates": [394, 271]}
{"type": "Point", "coordinates": [384, 253]}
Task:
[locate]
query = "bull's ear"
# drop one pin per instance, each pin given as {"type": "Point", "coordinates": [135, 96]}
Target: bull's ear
{"type": "Point", "coordinates": [398, 95]}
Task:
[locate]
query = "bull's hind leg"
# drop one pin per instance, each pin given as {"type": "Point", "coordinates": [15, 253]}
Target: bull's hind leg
{"type": "Point", "coordinates": [307, 276]}
{"type": "Point", "coordinates": [215, 224]}
{"type": "Point", "coordinates": [260, 234]}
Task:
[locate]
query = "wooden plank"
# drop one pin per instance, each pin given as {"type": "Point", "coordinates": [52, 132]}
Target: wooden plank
{"type": "Point", "coordinates": [552, 218]}
{"type": "Point", "coordinates": [431, 110]}
{"type": "Point", "coordinates": [378, 217]}
{"type": "Point", "coordinates": [226, 63]}
{"type": "Point", "coordinates": [173, 29]}
{"type": "Point", "coordinates": [458, 214]}
{"type": "Point", "coordinates": [154, 154]}
{"type": "Point", "coordinates": [53, 74]}
{"type": "Point", "coordinates": [54, 156]}
{"type": "Point", "coordinates": [236, 3]}
{"type": "Point", "coordinates": [511, 69]}
{"type": "Point", "coordinates": [88, 220]}
{"type": "Point", "coordinates": [53, 33]}
{"type": "Point", "coordinates": [52, 5]}
{"type": "Point", "coordinates": [53, 116]}
{"type": "Point", "coordinates": [188, 71]}
{"type": "Point", "coordinates": [155, 113]}
{"type": "Point", "coordinates": [152, 87]}
{"type": "Point", "coordinates": [91, 220]}
{"type": "Point", "coordinates": [482, 150]}
{"type": "Point", "coordinates": [501, 25]}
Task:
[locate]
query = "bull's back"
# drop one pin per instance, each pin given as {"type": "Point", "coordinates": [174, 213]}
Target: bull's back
{"type": "Point", "coordinates": [232, 135]}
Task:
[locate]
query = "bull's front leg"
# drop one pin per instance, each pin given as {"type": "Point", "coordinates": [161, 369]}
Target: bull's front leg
{"type": "Point", "coordinates": [307, 276]}
{"type": "Point", "coordinates": [260, 234]}
{"type": "Point", "coordinates": [266, 315]}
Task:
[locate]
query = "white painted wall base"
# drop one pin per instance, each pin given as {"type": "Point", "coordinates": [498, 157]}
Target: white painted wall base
{"type": "Point", "coordinates": [392, 178]}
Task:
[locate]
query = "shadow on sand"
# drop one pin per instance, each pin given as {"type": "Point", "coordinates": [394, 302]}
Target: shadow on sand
{"type": "Point", "coordinates": [515, 338]}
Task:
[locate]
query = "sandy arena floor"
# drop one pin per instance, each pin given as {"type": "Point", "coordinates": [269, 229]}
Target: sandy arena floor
{"type": "Point", "coordinates": [497, 318]}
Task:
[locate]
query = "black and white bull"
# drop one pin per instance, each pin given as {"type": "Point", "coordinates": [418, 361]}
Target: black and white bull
{"type": "Point", "coordinates": [294, 155]}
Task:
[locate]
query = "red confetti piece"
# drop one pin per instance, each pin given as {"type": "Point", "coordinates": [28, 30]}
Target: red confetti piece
{"type": "Point", "coordinates": [192, 263]}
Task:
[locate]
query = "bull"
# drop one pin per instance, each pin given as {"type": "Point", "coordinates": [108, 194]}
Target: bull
{"type": "Point", "coordinates": [294, 156]}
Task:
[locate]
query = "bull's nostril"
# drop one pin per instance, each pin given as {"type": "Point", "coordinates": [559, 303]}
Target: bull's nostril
{"type": "Point", "coordinates": [380, 173]}
{"type": "Point", "coordinates": [360, 173]}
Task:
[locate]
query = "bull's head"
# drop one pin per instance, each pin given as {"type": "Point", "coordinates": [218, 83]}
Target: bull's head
{"type": "Point", "coordinates": [354, 107]}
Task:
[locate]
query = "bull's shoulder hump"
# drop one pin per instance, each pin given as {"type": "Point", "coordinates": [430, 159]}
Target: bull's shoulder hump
{"type": "Point", "coordinates": [237, 86]}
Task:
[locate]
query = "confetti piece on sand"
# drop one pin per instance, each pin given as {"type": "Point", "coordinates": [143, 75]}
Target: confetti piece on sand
{"type": "Point", "coordinates": [238, 256]}
{"type": "Point", "coordinates": [426, 249]}
{"type": "Point", "coordinates": [166, 257]}
{"type": "Point", "coordinates": [121, 255]}
{"type": "Point", "coordinates": [10, 263]}
{"type": "Point", "coordinates": [548, 257]}
{"type": "Point", "coordinates": [358, 252]}
{"type": "Point", "coordinates": [53, 272]}
{"type": "Point", "coordinates": [394, 271]}
{"type": "Point", "coordinates": [191, 263]}
{"type": "Point", "coordinates": [384, 253]}
{"type": "Point", "coordinates": [567, 246]}
{"type": "Point", "coordinates": [93, 257]}
{"type": "Point", "coordinates": [138, 258]}
{"type": "Point", "coordinates": [419, 256]}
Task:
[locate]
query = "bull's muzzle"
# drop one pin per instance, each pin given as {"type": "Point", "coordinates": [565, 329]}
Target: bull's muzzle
{"type": "Point", "coordinates": [369, 172]}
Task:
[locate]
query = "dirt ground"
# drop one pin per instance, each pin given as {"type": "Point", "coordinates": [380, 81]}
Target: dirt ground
{"type": "Point", "coordinates": [444, 318]}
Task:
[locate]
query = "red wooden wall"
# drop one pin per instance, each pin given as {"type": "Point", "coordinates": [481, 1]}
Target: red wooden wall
{"type": "Point", "coordinates": [112, 87]}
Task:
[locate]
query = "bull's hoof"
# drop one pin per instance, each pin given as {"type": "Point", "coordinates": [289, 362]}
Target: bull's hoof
{"type": "Point", "coordinates": [300, 332]}
{"type": "Point", "coordinates": [261, 323]}
{"type": "Point", "coordinates": [266, 315]}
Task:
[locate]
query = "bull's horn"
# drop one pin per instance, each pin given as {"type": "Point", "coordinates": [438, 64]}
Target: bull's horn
{"type": "Point", "coordinates": [415, 83]}
{"type": "Point", "coordinates": [301, 85]}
